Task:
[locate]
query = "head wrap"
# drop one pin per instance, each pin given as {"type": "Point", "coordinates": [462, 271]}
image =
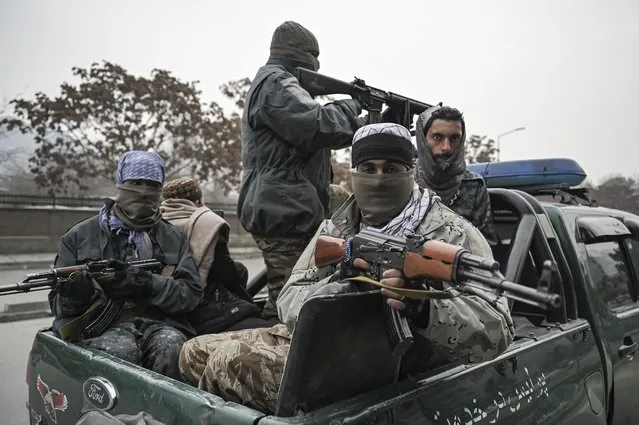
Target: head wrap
{"type": "Point", "coordinates": [140, 165]}
{"type": "Point", "coordinates": [442, 177]}
{"type": "Point", "coordinates": [136, 208]}
{"type": "Point", "coordinates": [382, 141]}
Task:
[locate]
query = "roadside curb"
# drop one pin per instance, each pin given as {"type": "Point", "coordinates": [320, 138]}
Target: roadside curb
{"type": "Point", "coordinates": [24, 315]}
{"type": "Point", "coordinates": [25, 265]}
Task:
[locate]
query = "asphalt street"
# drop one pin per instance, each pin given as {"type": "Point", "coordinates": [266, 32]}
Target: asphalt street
{"type": "Point", "coordinates": [16, 338]}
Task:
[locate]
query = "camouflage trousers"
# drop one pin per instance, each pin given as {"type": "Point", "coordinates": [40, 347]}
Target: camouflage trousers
{"type": "Point", "coordinates": [244, 366]}
{"type": "Point", "coordinates": [144, 342]}
{"type": "Point", "coordinates": [280, 256]}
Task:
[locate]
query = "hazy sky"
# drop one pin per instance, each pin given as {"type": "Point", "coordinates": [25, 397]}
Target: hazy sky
{"type": "Point", "coordinates": [567, 70]}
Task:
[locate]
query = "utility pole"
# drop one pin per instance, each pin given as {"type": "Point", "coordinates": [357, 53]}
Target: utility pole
{"type": "Point", "coordinates": [504, 134]}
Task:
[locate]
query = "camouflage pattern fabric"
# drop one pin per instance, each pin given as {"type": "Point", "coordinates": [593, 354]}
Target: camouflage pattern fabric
{"type": "Point", "coordinates": [144, 342]}
{"type": "Point", "coordinates": [473, 327]}
{"type": "Point", "coordinates": [473, 203]}
{"type": "Point", "coordinates": [337, 196]}
{"type": "Point", "coordinates": [280, 256]}
{"type": "Point", "coordinates": [244, 366]}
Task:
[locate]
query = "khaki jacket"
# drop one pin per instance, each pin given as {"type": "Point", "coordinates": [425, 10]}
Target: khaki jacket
{"type": "Point", "coordinates": [468, 327]}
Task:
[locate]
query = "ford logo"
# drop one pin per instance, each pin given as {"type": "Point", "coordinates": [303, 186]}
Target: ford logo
{"type": "Point", "coordinates": [99, 392]}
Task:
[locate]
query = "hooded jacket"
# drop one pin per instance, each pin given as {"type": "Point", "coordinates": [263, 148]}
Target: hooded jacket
{"type": "Point", "coordinates": [460, 189]}
{"type": "Point", "coordinates": [287, 137]}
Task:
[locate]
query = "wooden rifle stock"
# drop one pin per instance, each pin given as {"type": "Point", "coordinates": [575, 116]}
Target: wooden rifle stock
{"type": "Point", "coordinates": [329, 250]}
{"type": "Point", "coordinates": [437, 261]}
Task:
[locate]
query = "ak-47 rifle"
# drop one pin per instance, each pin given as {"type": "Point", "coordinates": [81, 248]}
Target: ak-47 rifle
{"type": "Point", "coordinates": [55, 278]}
{"type": "Point", "coordinates": [425, 259]}
{"type": "Point", "coordinates": [103, 310]}
{"type": "Point", "coordinates": [371, 98]}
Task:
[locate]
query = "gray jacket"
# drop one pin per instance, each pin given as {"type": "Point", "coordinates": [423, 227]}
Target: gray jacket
{"type": "Point", "coordinates": [287, 139]}
{"type": "Point", "coordinates": [172, 297]}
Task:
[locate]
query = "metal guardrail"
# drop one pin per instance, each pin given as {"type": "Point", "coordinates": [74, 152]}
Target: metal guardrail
{"type": "Point", "coordinates": [94, 202]}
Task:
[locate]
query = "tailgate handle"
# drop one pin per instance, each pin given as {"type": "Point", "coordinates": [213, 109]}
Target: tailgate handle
{"type": "Point", "coordinates": [628, 349]}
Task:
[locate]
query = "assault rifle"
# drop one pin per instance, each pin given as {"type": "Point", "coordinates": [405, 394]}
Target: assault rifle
{"type": "Point", "coordinates": [426, 259]}
{"type": "Point", "coordinates": [401, 108]}
{"type": "Point", "coordinates": [53, 278]}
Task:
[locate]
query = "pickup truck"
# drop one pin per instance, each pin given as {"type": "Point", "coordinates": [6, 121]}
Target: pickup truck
{"type": "Point", "coordinates": [569, 365]}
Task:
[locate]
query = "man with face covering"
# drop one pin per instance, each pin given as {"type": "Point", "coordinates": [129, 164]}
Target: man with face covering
{"type": "Point", "coordinates": [150, 327]}
{"type": "Point", "coordinates": [441, 166]}
{"type": "Point", "coordinates": [287, 139]}
{"type": "Point", "coordinates": [385, 198]}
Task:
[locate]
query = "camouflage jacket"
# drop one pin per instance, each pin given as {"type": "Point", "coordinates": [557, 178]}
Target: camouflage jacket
{"type": "Point", "coordinates": [337, 196]}
{"type": "Point", "coordinates": [466, 327]}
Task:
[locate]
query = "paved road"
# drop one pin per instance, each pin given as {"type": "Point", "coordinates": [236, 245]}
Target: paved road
{"type": "Point", "coordinates": [16, 339]}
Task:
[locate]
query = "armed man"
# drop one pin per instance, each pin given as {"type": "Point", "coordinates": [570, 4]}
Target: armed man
{"type": "Point", "coordinates": [149, 326]}
{"type": "Point", "coordinates": [441, 166]}
{"type": "Point", "coordinates": [247, 366]}
{"type": "Point", "coordinates": [287, 139]}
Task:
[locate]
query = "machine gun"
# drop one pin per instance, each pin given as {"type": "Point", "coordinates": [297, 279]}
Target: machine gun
{"type": "Point", "coordinates": [55, 278]}
{"type": "Point", "coordinates": [400, 108]}
{"type": "Point", "coordinates": [426, 259]}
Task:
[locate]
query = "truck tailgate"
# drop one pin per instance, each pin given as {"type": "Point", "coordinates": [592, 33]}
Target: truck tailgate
{"type": "Point", "coordinates": [58, 371]}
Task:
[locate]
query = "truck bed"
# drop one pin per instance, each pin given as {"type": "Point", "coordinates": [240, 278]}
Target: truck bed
{"type": "Point", "coordinates": [536, 378]}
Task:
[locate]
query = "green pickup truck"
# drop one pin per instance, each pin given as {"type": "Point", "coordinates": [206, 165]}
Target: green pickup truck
{"type": "Point", "coordinates": [569, 365]}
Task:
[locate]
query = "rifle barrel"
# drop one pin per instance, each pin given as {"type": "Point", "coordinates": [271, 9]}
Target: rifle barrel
{"type": "Point", "coordinates": [21, 287]}
{"type": "Point", "coordinates": [553, 300]}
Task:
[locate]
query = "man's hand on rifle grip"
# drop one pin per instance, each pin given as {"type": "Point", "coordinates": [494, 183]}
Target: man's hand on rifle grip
{"type": "Point", "coordinates": [391, 277]}
{"type": "Point", "coordinates": [127, 282]}
{"type": "Point", "coordinates": [79, 287]}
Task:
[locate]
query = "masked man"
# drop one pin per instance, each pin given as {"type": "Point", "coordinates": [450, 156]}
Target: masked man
{"type": "Point", "coordinates": [387, 199]}
{"type": "Point", "coordinates": [226, 304]}
{"type": "Point", "coordinates": [287, 139]}
{"type": "Point", "coordinates": [441, 166]}
{"type": "Point", "coordinates": [150, 327]}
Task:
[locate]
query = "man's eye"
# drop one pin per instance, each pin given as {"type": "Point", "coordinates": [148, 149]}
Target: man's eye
{"type": "Point", "coordinates": [437, 137]}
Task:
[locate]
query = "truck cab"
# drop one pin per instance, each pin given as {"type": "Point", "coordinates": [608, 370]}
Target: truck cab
{"type": "Point", "coordinates": [574, 364]}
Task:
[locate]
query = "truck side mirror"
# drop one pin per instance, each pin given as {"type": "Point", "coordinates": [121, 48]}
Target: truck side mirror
{"type": "Point", "coordinates": [600, 229]}
{"type": "Point", "coordinates": [633, 225]}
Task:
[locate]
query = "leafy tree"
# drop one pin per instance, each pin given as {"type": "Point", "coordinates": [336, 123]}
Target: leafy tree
{"type": "Point", "coordinates": [81, 132]}
{"type": "Point", "coordinates": [480, 149]}
{"type": "Point", "coordinates": [618, 192]}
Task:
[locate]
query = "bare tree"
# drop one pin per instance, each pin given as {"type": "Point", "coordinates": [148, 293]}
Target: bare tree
{"type": "Point", "coordinates": [80, 133]}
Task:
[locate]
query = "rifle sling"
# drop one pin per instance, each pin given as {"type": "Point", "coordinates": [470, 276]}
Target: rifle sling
{"type": "Point", "coordinates": [416, 294]}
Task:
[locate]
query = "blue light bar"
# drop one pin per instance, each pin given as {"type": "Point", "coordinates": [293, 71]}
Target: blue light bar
{"type": "Point", "coordinates": [552, 172]}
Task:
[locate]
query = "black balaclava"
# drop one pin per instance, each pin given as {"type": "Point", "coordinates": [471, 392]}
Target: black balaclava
{"type": "Point", "coordinates": [293, 45]}
{"type": "Point", "coordinates": [443, 177]}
